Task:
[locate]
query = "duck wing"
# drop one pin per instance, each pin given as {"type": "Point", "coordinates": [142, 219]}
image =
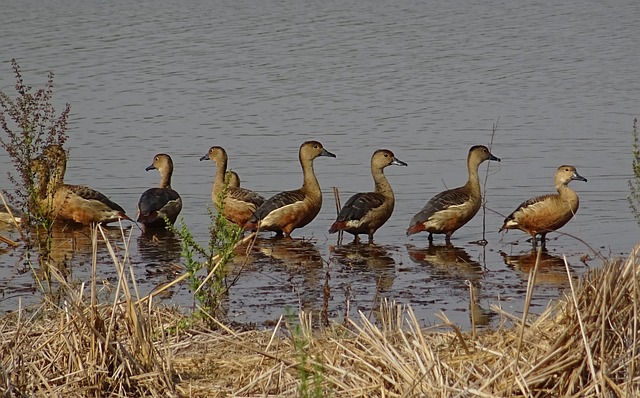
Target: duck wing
{"type": "Point", "coordinates": [441, 202]}
{"type": "Point", "coordinates": [359, 205]}
{"type": "Point", "coordinates": [91, 194]}
{"type": "Point", "coordinates": [286, 198]}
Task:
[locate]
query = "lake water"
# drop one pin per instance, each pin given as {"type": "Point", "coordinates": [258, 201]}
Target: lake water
{"type": "Point", "coordinates": [426, 80]}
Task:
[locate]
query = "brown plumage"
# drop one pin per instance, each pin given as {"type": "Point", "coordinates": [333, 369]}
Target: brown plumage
{"type": "Point", "coordinates": [547, 213]}
{"type": "Point", "coordinates": [238, 204]}
{"type": "Point", "coordinates": [10, 214]}
{"type": "Point", "coordinates": [157, 203]}
{"type": "Point", "coordinates": [286, 211]}
{"type": "Point", "coordinates": [71, 203]}
{"type": "Point", "coordinates": [365, 212]}
{"type": "Point", "coordinates": [451, 209]}
{"type": "Point", "coordinates": [232, 179]}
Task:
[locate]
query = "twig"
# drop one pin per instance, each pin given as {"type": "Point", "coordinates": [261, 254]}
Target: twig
{"type": "Point", "coordinates": [527, 302]}
{"type": "Point", "coordinates": [582, 331]}
{"type": "Point", "coordinates": [8, 241]}
{"type": "Point", "coordinates": [484, 186]}
{"type": "Point", "coordinates": [13, 218]}
{"type": "Point", "coordinates": [336, 197]}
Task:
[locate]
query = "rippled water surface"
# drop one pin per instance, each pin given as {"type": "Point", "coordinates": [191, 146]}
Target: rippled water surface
{"type": "Point", "coordinates": [426, 80]}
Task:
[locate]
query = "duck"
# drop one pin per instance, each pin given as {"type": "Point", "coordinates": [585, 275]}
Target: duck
{"type": "Point", "coordinates": [288, 210]}
{"type": "Point", "coordinates": [365, 212]}
{"type": "Point", "coordinates": [232, 179]}
{"type": "Point", "coordinates": [162, 202]}
{"type": "Point", "coordinates": [70, 203]}
{"type": "Point", "coordinates": [546, 213]}
{"type": "Point", "coordinates": [449, 210]}
{"type": "Point", "coordinates": [10, 214]}
{"type": "Point", "coordinates": [237, 204]}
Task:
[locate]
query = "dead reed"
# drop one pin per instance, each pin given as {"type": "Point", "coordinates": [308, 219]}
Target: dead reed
{"type": "Point", "coordinates": [584, 346]}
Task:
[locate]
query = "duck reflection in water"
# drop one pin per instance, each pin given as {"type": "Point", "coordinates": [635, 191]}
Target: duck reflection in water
{"type": "Point", "coordinates": [159, 248]}
{"type": "Point", "coordinates": [368, 258]}
{"type": "Point", "coordinates": [292, 252]}
{"type": "Point", "coordinates": [294, 264]}
{"type": "Point", "coordinates": [73, 242]}
{"type": "Point", "coordinates": [551, 269]}
{"type": "Point", "coordinates": [454, 260]}
{"type": "Point", "coordinates": [458, 266]}
{"type": "Point", "coordinates": [69, 246]}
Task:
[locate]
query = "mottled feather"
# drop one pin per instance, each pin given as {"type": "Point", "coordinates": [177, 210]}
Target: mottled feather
{"type": "Point", "coordinates": [277, 201]}
{"type": "Point", "coordinates": [358, 206]}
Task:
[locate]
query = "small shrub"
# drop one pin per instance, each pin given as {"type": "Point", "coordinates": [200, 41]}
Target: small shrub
{"type": "Point", "coordinates": [223, 238]}
{"type": "Point", "coordinates": [30, 123]}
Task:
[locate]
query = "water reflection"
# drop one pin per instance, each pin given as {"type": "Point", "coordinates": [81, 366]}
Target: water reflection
{"type": "Point", "coordinates": [160, 253]}
{"type": "Point", "coordinates": [370, 258]}
{"type": "Point", "coordinates": [551, 269]}
{"type": "Point", "coordinates": [452, 260]}
{"type": "Point", "coordinates": [68, 242]}
{"type": "Point", "coordinates": [65, 253]}
{"type": "Point", "coordinates": [300, 262]}
{"type": "Point", "coordinates": [454, 265]}
{"type": "Point", "coordinates": [292, 252]}
{"type": "Point", "coordinates": [159, 246]}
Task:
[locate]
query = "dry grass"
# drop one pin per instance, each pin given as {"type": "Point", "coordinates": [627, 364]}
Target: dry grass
{"type": "Point", "coordinates": [585, 346]}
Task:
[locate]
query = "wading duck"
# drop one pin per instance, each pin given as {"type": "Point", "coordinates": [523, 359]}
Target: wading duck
{"type": "Point", "coordinates": [65, 202]}
{"type": "Point", "coordinates": [157, 203]}
{"type": "Point", "coordinates": [286, 211]}
{"type": "Point", "coordinates": [547, 213]}
{"type": "Point", "coordinates": [238, 204]}
{"type": "Point", "coordinates": [451, 209]}
{"type": "Point", "coordinates": [365, 212]}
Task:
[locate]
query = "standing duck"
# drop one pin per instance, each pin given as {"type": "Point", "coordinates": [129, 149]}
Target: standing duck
{"type": "Point", "coordinates": [451, 209]}
{"type": "Point", "coordinates": [238, 204]}
{"type": "Point", "coordinates": [156, 204]}
{"type": "Point", "coordinates": [365, 212]}
{"type": "Point", "coordinates": [75, 203]}
{"type": "Point", "coordinates": [288, 210]}
{"type": "Point", "coordinates": [547, 213]}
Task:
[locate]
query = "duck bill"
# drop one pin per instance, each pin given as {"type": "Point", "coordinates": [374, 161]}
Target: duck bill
{"type": "Point", "coordinates": [327, 153]}
{"type": "Point", "coordinates": [398, 162]}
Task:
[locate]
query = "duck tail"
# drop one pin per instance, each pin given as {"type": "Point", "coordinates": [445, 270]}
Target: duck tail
{"type": "Point", "coordinates": [337, 226]}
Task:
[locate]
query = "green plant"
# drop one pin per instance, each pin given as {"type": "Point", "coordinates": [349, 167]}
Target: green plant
{"type": "Point", "coordinates": [634, 185]}
{"type": "Point", "coordinates": [30, 123]}
{"type": "Point", "coordinates": [310, 372]}
{"type": "Point", "coordinates": [209, 289]}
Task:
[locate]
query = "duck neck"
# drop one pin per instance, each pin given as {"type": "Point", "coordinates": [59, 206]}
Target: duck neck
{"type": "Point", "coordinates": [473, 183]}
{"type": "Point", "coordinates": [43, 185]}
{"type": "Point", "coordinates": [568, 195]}
{"type": "Point", "coordinates": [165, 178]}
{"type": "Point", "coordinates": [382, 185]}
{"type": "Point", "coordinates": [218, 182]}
{"type": "Point", "coordinates": [56, 174]}
{"type": "Point", "coordinates": [310, 185]}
